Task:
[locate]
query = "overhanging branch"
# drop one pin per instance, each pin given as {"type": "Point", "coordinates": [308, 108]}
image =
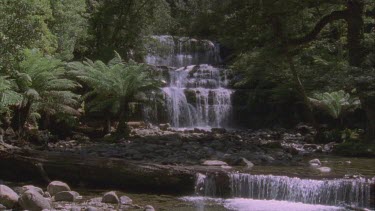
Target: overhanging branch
{"type": "Point", "coordinates": [335, 15]}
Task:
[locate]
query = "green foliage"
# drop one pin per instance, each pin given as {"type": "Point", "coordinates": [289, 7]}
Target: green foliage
{"type": "Point", "coordinates": [69, 25]}
{"type": "Point", "coordinates": [113, 85]}
{"type": "Point", "coordinates": [43, 83]}
{"type": "Point", "coordinates": [24, 24]}
{"type": "Point", "coordinates": [350, 135]}
{"type": "Point", "coordinates": [8, 97]}
{"type": "Point", "coordinates": [124, 25]}
{"type": "Point", "coordinates": [335, 103]}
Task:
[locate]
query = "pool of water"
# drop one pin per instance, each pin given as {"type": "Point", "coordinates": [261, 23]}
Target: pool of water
{"type": "Point", "coordinates": [341, 167]}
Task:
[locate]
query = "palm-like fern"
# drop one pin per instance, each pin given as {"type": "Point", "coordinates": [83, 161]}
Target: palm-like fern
{"type": "Point", "coordinates": [335, 103]}
{"type": "Point", "coordinates": [113, 85]}
{"type": "Point", "coordinates": [44, 87]}
{"type": "Point", "coordinates": [8, 96]}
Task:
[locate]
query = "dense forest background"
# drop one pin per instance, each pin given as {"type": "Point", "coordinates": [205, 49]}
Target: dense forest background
{"type": "Point", "coordinates": [294, 60]}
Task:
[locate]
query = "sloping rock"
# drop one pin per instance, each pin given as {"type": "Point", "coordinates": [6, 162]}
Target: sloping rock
{"type": "Point", "coordinates": [34, 201]}
{"type": "Point", "coordinates": [8, 197]}
{"type": "Point", "coordinates": [110, 197]}
{"type": "Point", "coordinates": [57, 186]}
{"type": "Point", "coordinates": [69, 196]}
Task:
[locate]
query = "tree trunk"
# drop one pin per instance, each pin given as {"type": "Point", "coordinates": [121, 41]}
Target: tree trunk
{"type": "Point", "coordinates": [20, 117]}
{"type": "Point", "coordinates": [369, 108]}
{"type": "Point", "coordinates": [301, 90]}
{"type": "Point", "coordinates": [97, 172]}
{"type": "Point", "coordinates": [355, 23]}
{"type": "Point", "coordinates": [107, 125]}
{"type": "Point", "coordinates": [122, 128]}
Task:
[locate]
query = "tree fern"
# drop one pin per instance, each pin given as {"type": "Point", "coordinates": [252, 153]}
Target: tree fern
{"type": "Point", "coordinates": [45, 89]}
{"type": "Point", "coordinates": [113, 85]}
{"type": "Point", "coordinates": [335, 103]}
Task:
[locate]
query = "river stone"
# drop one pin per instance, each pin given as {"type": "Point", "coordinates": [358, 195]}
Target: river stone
{"type": "Point", "coordinates": [56, 186]}
{"type": "Point", "coordinates": [69, 196]}
{"type": "Point", "coordinates": [246, 163]}
{"type": "Point", "coordinates": [324, 169]}
{"type": "Point", "coordinates": [125, 200]}
{"type": "Point", "coordinates": [149, 208]}
{"type": "Point", "coordinates": [110, 197]}
{"type": "Point", "coordinates": [31, 187]}
{"type": "Point", "coordinates": [8, 197]}
{"type": "Point", "coordinates": [34, 201]}
{"type": "Point", "coordinates": [214, 163]}
{"type": "Point", "coordinates": [90, 208]}
{"type": "Point", "coordinates": [315, 162]}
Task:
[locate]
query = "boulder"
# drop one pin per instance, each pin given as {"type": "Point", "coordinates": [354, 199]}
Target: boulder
{"type": "Point", "coordinates": [164, 127]}
{"type": "Point", "coordinates": [34, 201]}
{"type": "Point", "coordinates": [315, 162]}
{"type": "Point", "coordinates": [69, 196]}
{"type": "Point", "coordinates": [214, 163]}
{"type": "Point", "coordinates": [125, 200]}
{"type": "Point", "coordinates": [31, 187]}
{"type": "Point", "coordinates": [90, 208]}
{"type": "Point", "coordinates": [246, 163]}
{"type": "Point", "coordinates": [56, 187]}
{"type": "Point", "coordinates": [8, 197]}
{"type": "Point", "coordinates": [149, 208]}
{"type": "Point", "coordinates": [110, 197]}
{"type": "Point", "coordinates": [324, 169]}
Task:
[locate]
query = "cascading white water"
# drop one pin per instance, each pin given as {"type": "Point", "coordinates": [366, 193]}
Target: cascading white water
{"type": "Point", "coordinates": [334, 192]}
{"type": "Point", "coordinates": [166, 50]}
{"type": "Point", "coordinates": [353, 192]}
{"type": "Point", "coordinates": [196, 95]}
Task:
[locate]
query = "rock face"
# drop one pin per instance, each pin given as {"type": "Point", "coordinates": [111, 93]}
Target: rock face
{"type": "Point", "coordinates": [110, 197]}
{"type": "Point", "coordinates": [8, 197]}
{"type": "Point", "coordinates": [56, 186]}
{"type": "Point", "coordinates": [69, 196]}
{"type": "Point", "coordinates": [34, 201]}
{"type": "Point", "coordinates": [214, 163]}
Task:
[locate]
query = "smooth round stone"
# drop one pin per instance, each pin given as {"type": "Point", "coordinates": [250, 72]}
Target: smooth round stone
{"type": "Point", "coordinates": [324, 169]}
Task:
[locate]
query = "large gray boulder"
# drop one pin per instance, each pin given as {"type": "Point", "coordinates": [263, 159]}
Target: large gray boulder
{"type": "Point", "coordinates": [8, 197]}
{"type": "Point", "coordinates": [69, 196]}
{"type": "Point", "coordinates": [110, 197]}
{"type": "Point", "coordinates": [34, 201]}
{"type": "Point", "coordinates": [56, 186]}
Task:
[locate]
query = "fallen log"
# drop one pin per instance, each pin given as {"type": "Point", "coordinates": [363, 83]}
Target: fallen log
{"type": "Point", "coordinates": [97, 172]}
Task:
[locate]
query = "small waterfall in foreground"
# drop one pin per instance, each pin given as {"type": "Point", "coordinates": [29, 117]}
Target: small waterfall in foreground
{"type": "Point", "coordinates": [196, 94]}
{"type": "Point", "coordinates": [353, 192]}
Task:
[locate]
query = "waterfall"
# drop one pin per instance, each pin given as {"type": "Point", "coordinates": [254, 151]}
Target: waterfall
{"type": "Point", "coordinates": [196, 94]}
{"type": "Point", "coordinates": [166, 50]}
{"type": "Point", "coordinates": [354, 192]}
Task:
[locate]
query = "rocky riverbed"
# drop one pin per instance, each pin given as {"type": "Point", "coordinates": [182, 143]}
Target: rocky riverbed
{"type": "Point", "coordinates": [192, 147]}
{"type": "Point", "coordinates": [59, 196]}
